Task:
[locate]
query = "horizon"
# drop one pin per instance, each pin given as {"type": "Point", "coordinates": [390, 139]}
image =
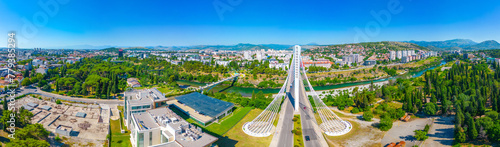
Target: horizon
{"type": "Point", "coordinates": [59, 23]}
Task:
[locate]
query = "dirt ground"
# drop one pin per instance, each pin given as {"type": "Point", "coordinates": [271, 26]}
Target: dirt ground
{"type": "Point", "coordinates": [403, 131]}
{"type": "Point", "coordinates": [363, 133]}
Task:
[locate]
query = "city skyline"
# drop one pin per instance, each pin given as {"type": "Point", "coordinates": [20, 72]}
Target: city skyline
{"type": "Point", "coordinates": [73, 23]}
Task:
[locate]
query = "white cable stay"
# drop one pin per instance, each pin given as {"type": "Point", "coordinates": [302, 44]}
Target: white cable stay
{"type": "Point", "coordinates": [331, 124]}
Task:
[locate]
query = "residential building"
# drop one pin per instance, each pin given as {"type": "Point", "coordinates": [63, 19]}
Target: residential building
{"type": "Point", "coordinates": [399, 54]}
{"type": "Point", "coordinates": [392, 55]}
{"type": "Point", "coordinates": [133, 82]}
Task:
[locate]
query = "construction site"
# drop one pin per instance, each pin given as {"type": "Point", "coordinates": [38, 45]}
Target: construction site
{"type": "Point", "coordinates": [77, 122]}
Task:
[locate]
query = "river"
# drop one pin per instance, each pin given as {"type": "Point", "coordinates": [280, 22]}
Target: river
{"type": "Point", "coordinates": [248, 91]}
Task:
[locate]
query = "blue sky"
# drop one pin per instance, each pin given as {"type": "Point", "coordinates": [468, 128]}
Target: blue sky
{"type": "Point", "coordinates": [197, 22]}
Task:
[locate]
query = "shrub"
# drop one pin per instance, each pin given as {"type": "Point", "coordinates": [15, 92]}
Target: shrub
{"type": "Point", "coordinates": [492, 114]}
{"type": "Point", "coordinates": [385, 124]}
{"type": "Point", "coordinates": [420, 135]}
{"type": "Point", "coordinates": [57, 138]}
{"type": "Point", "coordinates": [367, 116]}
{"type": "Point", "coordinates": [355, 110]}
{"type": "Point", "coordinates": [427, 128]}
{"type": "Point", "coordinates": [298, 132]}
{"type": "Point", "coordinates": [58, 102]}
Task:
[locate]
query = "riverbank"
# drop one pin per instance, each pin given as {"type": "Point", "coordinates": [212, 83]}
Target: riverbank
{"type": "Point", "coordinates": [247, 91]}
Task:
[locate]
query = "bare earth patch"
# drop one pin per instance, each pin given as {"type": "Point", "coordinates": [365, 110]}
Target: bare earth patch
{"type": "Point", "coordinates": [363, 134]}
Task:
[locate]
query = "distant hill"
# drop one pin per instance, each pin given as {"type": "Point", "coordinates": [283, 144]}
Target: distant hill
{"type": "Point", "coordinates": [111, 49]}
{"type": "Point", "coordinates": [458, 44]}
{"type": "Point", "coordinates": [237, 47]}
{"type": "Point", "coordinates": [388, 45]}
{"type": "Point", "coordinates": [446, 44]}
{"type": "Point", "coordinates": [489, 44]}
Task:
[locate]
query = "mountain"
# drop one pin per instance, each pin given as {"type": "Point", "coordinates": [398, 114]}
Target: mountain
{"type": "Point", "coordinates": [458, 44]}
{"type": "Point", "coordinates": [446, 44]}
{"type": "Point", "coordinates": [489, 44]}
{"type": "Point", "coordinates": [237, 47]}
{"type": "Point", "coordinates": [80, 47]}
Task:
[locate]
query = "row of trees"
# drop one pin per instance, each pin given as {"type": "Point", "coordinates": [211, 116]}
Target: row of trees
{"type": "Point", "coordinates": [258, 100]}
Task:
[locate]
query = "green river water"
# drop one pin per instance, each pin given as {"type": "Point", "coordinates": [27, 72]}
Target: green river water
{"type": "Point", "coordinates": [248, 91]}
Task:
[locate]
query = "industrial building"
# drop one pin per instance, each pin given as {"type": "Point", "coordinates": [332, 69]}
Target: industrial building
{"type": "Point", "coordinates": [202, 108]}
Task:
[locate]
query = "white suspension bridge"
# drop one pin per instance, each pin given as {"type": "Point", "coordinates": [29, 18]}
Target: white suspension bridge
{"type": "Point", "coordinates": [263, 125]}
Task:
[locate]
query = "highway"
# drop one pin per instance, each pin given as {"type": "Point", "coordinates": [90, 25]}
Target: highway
{"type": "Point", "coordinates": [308, 120]}
{"type": "Point", "coordinates": [284, 131]}
{"type": "Point", "coordinates": [283, 136]}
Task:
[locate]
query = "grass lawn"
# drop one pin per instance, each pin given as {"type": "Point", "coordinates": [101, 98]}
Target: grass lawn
{"type": "Point", "coordinates": [297, 135]}
{"type": "Point", "coordinates": [119, 139]}
{"type": "Point", "coordinates": [229, 121]}
{"type": "Point", "coordinates": [223, 126]}
{"type": "Point", "coordinates": [236, 136]}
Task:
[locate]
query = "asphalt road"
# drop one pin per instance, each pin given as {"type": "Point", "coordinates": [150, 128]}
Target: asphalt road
{"type": "Point", "coordinates": [285, 124]}
{"type": "Point", "coordinates": [285, 138]}
{"type": "Point", "coordinates": [307, 119]}
{"type": "Point", "coordinates": [27, 90]}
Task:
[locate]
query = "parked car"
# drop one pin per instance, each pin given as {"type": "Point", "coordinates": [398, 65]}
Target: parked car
{"type": "Point", "coordinates": [307, 138]}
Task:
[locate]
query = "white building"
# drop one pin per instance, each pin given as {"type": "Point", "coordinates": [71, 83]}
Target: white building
{"type": "Point", "coordinates": [223, 63]}
{"type": "Point", "coordinates": [162, 127]}
{"type": "Point", "coordinates": [392, 55]}
{"type": "Point", "coordinates": [399, 54]}
{"type": "Point", "coordinates": [277, 65]}
{"type": "Point", "coordinates": [259, 56]}
{"type": "Point", "coordinates": [354, 58]}
{"type": "Point", "coordinates": [246, 55]}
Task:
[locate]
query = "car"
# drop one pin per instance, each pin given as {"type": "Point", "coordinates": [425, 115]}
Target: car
{"type": "Point", "coordinates": [307, 138]}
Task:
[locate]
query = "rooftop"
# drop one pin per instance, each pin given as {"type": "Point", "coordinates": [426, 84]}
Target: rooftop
{"type": "Point", "coordinates": [81, 114]}
{"type": "Point", "coordinates": [46, 107]}
{"type": "Point", "coordinates": [144, 121]}
{"type": "Point", "coordinates": [204, 104]}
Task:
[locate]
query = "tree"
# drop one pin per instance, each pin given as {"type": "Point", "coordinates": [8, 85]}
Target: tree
{"type": "Point", "coordinates": [385, 123]}
{"type": "Point", "coordinates": [420, 135]}
{"type": "Point", "coordinates": [24, 117]}
{"type": "Point", "coordinates": [33, 135]}
{"type": "Point", "coordinates": [26, 82]}
{"type": "Point", "coordinates": [5, 103]}
{"type": "Point", "coordinates": [460, 135]}
{"type": "Point", "coordinates": [492, 115]}
{"type": "Point", "coordinates": [367, 116]}
{"type": "Point", "coordinates": [472, 132]}
{"type": "Point", "coordinates": [84, 89]}
{"type": "Point", "coordinates": [77, 88]}
{"type": "Point", "coordinates": [30, 142]}
{"type": "Point", "coordinates": [430, 108]}
{"type": "Point", "coordinates": [57, 86]}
